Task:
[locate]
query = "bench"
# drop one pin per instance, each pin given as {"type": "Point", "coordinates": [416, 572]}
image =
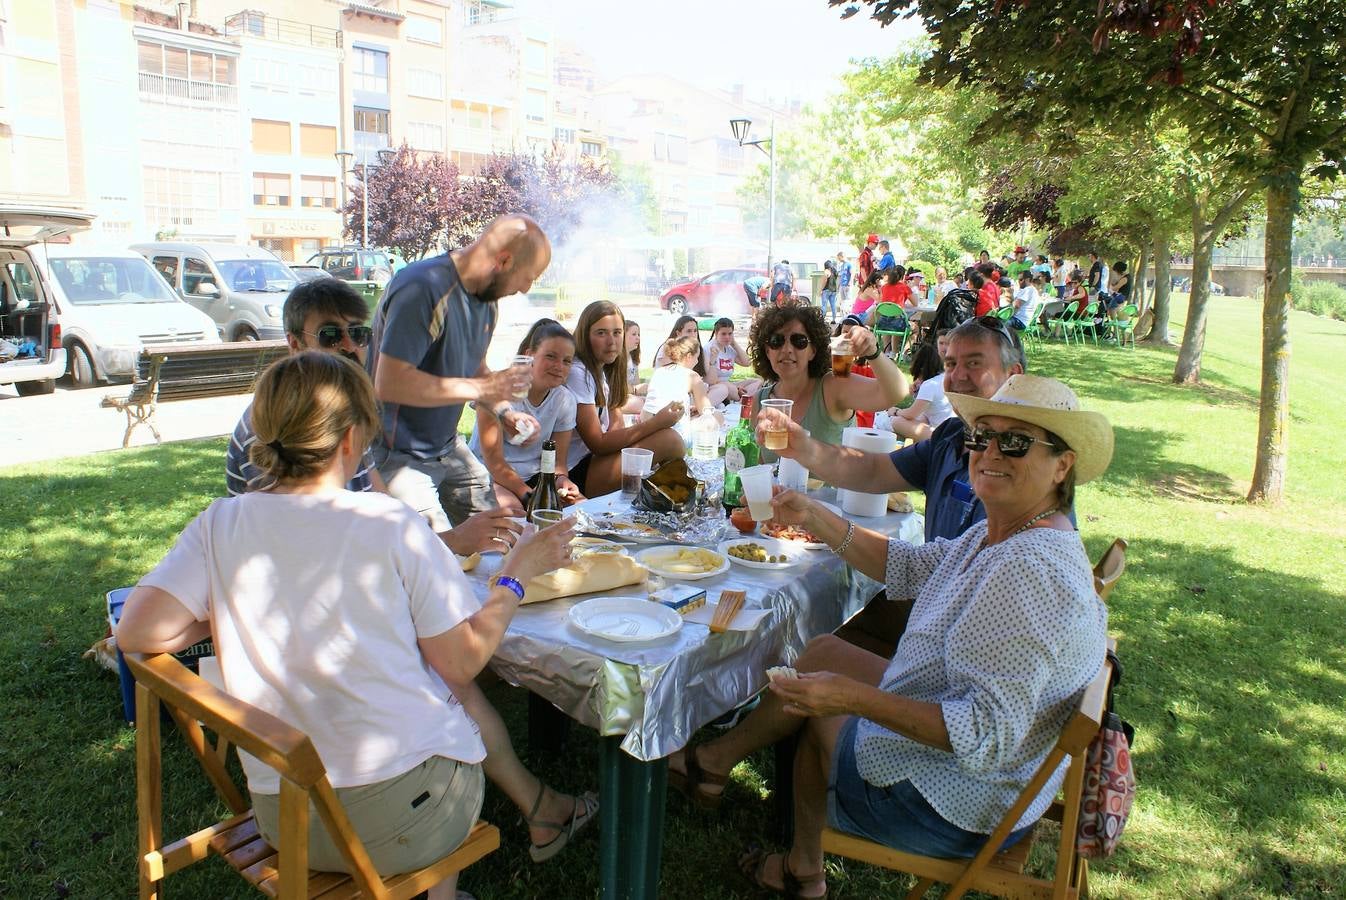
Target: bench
{"type": "Point", "coordinates": [169, 372]}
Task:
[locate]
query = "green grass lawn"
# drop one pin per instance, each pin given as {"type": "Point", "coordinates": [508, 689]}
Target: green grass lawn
{"type": "Point", "coordinates": [1230, 621]}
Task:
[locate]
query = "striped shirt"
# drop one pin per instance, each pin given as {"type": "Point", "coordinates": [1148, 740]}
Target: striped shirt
{"type": "Point", "coordinates": [241, 476]}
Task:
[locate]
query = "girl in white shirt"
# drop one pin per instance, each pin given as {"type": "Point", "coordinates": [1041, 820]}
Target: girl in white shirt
{"type": "Point", "coordinates": [354, 633]}
{"type": "Point", "coordinates": [918, 421]}
{"type": "Point", "coordinates": [723, 353]}
{"type": "Point", "coordinates": [672, 384]}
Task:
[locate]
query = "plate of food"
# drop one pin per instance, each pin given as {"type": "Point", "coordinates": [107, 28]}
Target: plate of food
{"type": "Point", "coordinates": [624, 619]}
{"type": "Point", "coordinates": [589, 546]}
{"type": "Point", "coordinates": [683, 563]}
{"type": "Point", "coordinates": [795, 535]}
{"type": "Point", "coordinates": [760, 553]}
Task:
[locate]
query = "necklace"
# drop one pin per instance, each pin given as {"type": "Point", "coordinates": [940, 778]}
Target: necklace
{"type": "Point", "coordinates": [1033, 521]}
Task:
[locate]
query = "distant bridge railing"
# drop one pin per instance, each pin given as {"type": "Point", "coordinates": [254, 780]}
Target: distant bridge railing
{"type": "Point", "coordinates": [1259, 261]}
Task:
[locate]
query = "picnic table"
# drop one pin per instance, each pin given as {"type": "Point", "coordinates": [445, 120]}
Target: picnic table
{"type": "Point", "coordinates": [646, 700]}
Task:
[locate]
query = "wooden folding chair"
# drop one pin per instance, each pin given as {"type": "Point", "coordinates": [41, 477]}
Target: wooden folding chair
{"type": "Point", "coordinates": [1109, 568]}
{"type": "Point", "coordinates": [278, 872]}
{"type": "Point", "coordinates": [1002, 874]}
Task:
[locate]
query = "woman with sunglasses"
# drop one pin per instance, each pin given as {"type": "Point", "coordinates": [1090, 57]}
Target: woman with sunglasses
{"type": "Point", "coordinates": [598, 381]}
{"type": "Point", "coordinates": [790, 348]}
{"type": "Point", "coordinates": [369, 643]}
{"type": "Point", "coordinates": [926, 751]}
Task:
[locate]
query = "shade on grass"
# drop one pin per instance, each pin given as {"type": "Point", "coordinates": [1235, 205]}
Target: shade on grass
{"type": "Point", "coordinates": [1230, 619]}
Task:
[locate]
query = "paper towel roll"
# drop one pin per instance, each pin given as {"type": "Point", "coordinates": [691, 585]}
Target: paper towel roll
{"type": "Point", "coordinates": [870, 440]}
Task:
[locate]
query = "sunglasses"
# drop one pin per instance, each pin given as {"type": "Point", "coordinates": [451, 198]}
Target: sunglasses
{"type": "Point", "coordinates": [1014, 444]}
{"type": "Point", "coordinates": [797, 340]}
{"type": "Point", "coordinates": [330, 336]}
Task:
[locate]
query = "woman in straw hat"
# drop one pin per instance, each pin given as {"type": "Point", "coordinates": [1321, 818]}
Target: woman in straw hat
{"type": "Point", "coordinates": [925, 752]}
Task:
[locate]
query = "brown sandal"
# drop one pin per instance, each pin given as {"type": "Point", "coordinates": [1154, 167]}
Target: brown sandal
{"type": "Point", "coordinates": [693, 782]}
{"type": "Point", "coordinates": [753, 865]}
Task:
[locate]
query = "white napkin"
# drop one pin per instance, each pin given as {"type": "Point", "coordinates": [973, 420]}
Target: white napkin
{"type": "Point", "coordinates": [744, 619]}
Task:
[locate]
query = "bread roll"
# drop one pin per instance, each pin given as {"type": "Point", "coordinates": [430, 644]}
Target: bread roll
{"type": "Point", "coordinates": [599, 572]}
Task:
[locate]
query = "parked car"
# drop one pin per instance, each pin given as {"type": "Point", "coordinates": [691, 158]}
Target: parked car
{"type": "Point", "coordinates": [1184, 285]}
{"type": "Point", "coordinates": [718, 293]}
{"type": "Point", "coordinates": [306, 273]}
{"type": "Point", "coordinates": [32, 356]}
{"type": "Point", "coordinates": [354, 264]}
{"type": "Point", "coordinates": [112, 303]}
{"type": "Point", "coordinates": [243, 288]}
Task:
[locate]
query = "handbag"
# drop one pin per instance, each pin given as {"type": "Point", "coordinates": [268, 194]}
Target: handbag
{"type": "Point", "coordinates": [1109, 781]}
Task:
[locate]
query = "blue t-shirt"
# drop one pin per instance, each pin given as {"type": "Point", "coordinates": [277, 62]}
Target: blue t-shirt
{"type": "Point", "coordinates": [886, 262]}
{"type": "Point", "coordinates": [844, 274]}
{"type": "Point", "coordinates": [938, 467]}
{"type": "Point", "coordinates": [427, 319]}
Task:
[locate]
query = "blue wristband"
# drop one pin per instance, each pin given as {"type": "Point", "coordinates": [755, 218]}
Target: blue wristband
{"type": "Point", "coordinates": [506, 582]}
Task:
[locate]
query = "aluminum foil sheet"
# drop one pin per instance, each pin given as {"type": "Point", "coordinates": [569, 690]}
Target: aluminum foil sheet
{"type": "Point", "coordinates": [659, 693]}
{"type": "Point", "coordinates": [606, 516]}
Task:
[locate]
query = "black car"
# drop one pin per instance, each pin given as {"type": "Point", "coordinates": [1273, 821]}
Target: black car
{"type": "Point", "coordinates": [354, 264]}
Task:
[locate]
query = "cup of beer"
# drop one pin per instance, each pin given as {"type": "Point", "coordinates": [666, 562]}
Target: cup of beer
{"type": "Point", "coordinates": [843, 356]}
{"type": "Point", "coordinates": [777, 437]}
{"type": "Point", "coordinates": [524, 364]}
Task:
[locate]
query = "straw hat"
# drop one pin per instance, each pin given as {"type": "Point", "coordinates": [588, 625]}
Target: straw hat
{"type": "Point", "coordinates": [1048, 404]}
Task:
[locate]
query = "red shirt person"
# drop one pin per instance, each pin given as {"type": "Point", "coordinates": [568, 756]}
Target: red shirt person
{"type": "Point", "coordinates": [865, 262]}
{"type": "Point", "coordinates": [988, 294]}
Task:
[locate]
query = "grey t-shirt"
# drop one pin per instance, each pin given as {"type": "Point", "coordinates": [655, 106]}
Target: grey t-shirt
{"type": "Point", "coordinates": [429, 320]}
{"type": "Point", "coordinates": [556, 414]}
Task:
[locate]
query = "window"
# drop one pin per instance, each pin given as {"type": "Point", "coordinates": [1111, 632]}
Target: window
{"type": "Point", "coordinates": [535, 56]}
{"type": "Point", "coordinates": [564, 135]}
{"type": "Point", "coordinates": [660, 145]}
{"type": "Point", "coordinates": [535, 106]}
{"type": "Point", "coordinates": [168, 267]}
{"type": "Point", "coordinates": [426, 136]}
{"type": "Point", "coordinates": [369, 70]}
{"type": "Point", "coordinates": [371, 134]}
{"type": "Point", "coordinates": [590, 148]}
{"type": "Point", "coordinates": [317, 141]}
{"type": "Point", "coordinates": [270, 136]}
{"type": "Point", "coordinates": [196, 273]}
{"type": "Point", "coordinates": [25, 288]}
{"type": "Point", "coordinates": [151, 58]}
{"type": "Point", "coordinates": [175, 62]}
{"type": "Point", "coordinates": [317, 190]}
{"type": "Point", "coordinates": [371, 121]}
{"type": "Point", "coordinates": [185, 196]}
{"type": "Point", "coordinates": [425, 83]}
{"type": "Point", "coordinates": [423, 29]}
{"type": "Point", "coordinates": [270, 189]}
{"type": "Point", "coordinates": [677, 149]}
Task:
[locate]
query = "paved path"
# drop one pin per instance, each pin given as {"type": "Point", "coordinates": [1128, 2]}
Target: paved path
{"type": "Point", "coordinates": [71, 423]}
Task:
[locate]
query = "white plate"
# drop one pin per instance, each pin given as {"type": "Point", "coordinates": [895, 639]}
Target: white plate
{"type": "Point", "coordinates": [772, 546]}
{"type": "Point", "coordinates": [649, 558]}
{"type": "Point", "coordinates": [585, 545]}
{"type": "Point", "coordinates": [624, 619]}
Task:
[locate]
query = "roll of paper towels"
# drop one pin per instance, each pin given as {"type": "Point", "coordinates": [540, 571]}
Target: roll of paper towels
{"type": "Point", "coordinates": [870, 440]}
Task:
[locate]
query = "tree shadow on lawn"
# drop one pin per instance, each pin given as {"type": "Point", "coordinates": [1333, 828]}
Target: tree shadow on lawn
{"type": "Point", "coordinates": [1138, 466]}
{"type": "Point", "coordinates": [1230, 690]}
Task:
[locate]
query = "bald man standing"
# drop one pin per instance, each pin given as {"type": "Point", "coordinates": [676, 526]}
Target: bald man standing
{"type": "Point", "coordinates": [431, 332]}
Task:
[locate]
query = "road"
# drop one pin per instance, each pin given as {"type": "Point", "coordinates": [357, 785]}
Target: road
{"type": "Point", "coordinates": [71, 422]}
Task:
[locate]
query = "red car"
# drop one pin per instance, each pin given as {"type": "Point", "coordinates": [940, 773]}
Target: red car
{"type": "Point", "coordinates": [719, 293]}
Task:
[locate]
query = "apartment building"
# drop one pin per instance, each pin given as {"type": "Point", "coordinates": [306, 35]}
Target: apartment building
{"type": "Point", "coordinates": [289, 83]}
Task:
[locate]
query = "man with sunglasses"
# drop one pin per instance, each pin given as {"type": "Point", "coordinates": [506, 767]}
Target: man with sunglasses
{"type": "Point", "coordinates": [325, 314]}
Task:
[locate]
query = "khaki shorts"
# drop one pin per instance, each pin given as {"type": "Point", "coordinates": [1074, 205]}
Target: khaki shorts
{"type": "Point", "coordinates": [405, 823]}
{"type": "Point", "coordinates": [446, 490]}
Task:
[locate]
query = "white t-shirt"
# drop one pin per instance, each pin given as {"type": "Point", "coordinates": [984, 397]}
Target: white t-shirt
{"type": "Point", "coordinates": [932, 392]}
{"type": "Point", "coordinates": [556, 415]}
{"type": "Point", "coordinates": [316, 602]}
{"type": "Point", "coordinates": [721, 359]}
{"type": "Point", "coordinates": [582, 385]}
{"type": "Point", "coordinates": [1029, 297]}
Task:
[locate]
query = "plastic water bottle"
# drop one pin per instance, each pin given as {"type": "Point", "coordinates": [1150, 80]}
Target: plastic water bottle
{"type": "Point", "coordinates": [705, 464]}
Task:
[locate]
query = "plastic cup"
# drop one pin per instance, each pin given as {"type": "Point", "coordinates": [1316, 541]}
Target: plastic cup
{"type": "Point", "coordinates": [636, 464]}
{"type": "Point", "coordinates": [524, 362]}
{"type": "Point", "coordinates": [843, 357]}
{"type": "Point", "coordinates": [778, 438]}
{"type": "Point", "coordinates": [545, 518]}
{"type": "Point", "coordinates": [793, 476]}
{"type": "Point", "coordinates": [756, 482]}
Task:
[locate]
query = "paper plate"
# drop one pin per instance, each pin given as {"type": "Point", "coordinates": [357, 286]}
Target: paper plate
{"type": "Point", "coordinates": [791, 549]}
{"type": "Point", "coordinates": [652, 557]}
{"type": "Point", "coordinates": [624, 619]}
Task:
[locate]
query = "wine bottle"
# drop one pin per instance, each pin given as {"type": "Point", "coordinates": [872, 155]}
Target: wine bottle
{"type": "Point", "coordinates": [740, 451]}
{"type": "Point", "coordinates": [545, 495]}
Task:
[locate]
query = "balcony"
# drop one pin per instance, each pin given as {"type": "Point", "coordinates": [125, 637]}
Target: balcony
{"type": "Point", "coordinates": [172, 89]}
{"type": "Point", "coordinates": [251, 23]}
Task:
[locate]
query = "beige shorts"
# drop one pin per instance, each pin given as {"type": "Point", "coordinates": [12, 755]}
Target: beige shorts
{"type": "Point", "coordinates": [405, 823]}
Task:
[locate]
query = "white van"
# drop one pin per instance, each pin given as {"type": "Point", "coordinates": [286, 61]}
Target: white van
{"type": "Point", "coordinates": [111, 303]}
{"type": "Point", "coordinates": [31, 354]}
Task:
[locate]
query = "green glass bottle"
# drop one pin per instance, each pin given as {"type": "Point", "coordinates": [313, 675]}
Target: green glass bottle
{"type": "Point", "coordinates": [740, 451]}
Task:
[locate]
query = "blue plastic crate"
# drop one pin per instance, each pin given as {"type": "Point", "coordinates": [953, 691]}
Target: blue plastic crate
{"type": "Point", "coordinates": [116, 599]}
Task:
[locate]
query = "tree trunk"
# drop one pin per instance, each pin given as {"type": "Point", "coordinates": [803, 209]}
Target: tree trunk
{"type": "Point", "coordinates": [1188, 368]}
{"type": "Point", "coordinates": [1138, 293]}
{"type": "Point", "coordinates": [1163, 283]}
{"type": "Point", "coordinates": [1273, 418]}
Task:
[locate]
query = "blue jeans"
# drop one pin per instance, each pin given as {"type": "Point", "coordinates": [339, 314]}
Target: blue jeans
{"type": "Point", "coordinates": [896, 816]}
{"type": "Point", "coordinates": [829, 303]}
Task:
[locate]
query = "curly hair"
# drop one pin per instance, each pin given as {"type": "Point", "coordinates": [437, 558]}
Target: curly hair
{"type": "Point", "coordinates": [772, 320]}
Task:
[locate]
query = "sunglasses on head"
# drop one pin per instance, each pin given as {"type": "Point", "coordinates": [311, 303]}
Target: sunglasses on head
{"type": "Point", "coordinates": [797, 340]}
{"type": "Point", "coordinates": [329, 336]}
{"type": "Point", "coordinates": [1013, 444]}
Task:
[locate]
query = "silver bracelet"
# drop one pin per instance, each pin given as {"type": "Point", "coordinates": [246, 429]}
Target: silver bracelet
{"type": "Point", "coordinates": [846, 541]}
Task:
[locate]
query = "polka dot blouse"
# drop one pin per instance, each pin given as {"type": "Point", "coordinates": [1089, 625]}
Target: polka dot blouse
{"type": "Point", "coordinates": [1005, 639]}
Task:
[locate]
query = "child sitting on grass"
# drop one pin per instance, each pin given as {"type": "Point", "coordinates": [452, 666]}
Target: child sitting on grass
{"type": "Point", "coordinates": [673, 382]}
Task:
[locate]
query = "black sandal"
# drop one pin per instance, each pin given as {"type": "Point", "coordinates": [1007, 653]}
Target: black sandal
{"type": "Point", "coordinates": [753, 866]}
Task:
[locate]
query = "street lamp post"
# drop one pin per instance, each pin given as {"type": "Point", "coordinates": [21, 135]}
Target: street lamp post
{"type": "Point", "coordinates": [343, 158]}
{"type": "Point", "coordinates": [767, 145]}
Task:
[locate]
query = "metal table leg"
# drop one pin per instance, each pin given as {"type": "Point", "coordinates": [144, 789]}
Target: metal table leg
{"type": "Point", "coordinates": [632, 828]}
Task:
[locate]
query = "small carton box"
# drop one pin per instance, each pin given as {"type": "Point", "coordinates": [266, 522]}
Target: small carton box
{"type": "Point", "coordinates": [681, 598]}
